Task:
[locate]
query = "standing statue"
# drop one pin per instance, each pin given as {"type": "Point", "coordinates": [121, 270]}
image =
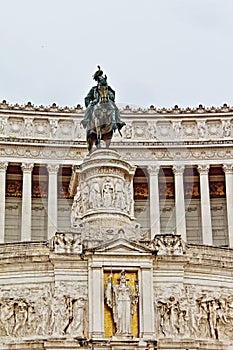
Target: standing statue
{"type": "Point", "coordinates": [102, 116]}
{"type": "Point", "coordinates": [122, 300]}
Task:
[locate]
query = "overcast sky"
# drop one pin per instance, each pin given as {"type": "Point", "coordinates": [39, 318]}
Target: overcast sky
{"type": "Point", "coordinates": [160, 52]}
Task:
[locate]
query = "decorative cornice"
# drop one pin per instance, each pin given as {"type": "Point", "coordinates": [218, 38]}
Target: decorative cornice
{"type": "Point", "coordinates": [54, 108]}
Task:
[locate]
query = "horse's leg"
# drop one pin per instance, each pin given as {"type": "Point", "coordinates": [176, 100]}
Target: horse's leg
{"type": "Point", "coordinates": [108, 138]}
{"type": "Point", "coordinates": [90, 142]}
{"type": "Point", "coordinates": [108, 143]}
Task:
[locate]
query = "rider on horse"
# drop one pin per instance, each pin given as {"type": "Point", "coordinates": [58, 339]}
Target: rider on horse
{"type": "Point", "coordinates": [105, 94]}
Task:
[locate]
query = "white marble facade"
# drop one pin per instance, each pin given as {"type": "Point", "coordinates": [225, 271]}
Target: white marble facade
{"type": "Point", "coordinates": [58, 249]}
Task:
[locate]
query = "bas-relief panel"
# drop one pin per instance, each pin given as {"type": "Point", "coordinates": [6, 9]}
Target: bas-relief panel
{"type": "Point", "coordinates": [194, 312]}
{"type": "Point", "coordinates": [43, 311]}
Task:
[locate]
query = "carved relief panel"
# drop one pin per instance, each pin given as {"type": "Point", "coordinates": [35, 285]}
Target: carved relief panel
{"type": "Point", "coordinates": [194, 312]}
{"type": "Point", "coordinates": [46, 311]}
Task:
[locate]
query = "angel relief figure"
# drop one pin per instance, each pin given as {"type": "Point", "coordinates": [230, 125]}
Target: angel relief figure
{"type": "Point", "coordinates": [122, 300]}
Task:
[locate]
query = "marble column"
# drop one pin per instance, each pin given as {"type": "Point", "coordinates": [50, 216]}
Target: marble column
{"type": "Point", "coordinates": [178, 171]}
{"type": "Point", "coordinates": [26, 222]}
{"type": "Point", "coordinates": [3, 167]}
{"type": "Point", "coordinates": [52, 200]}
{"type": "Point", "coordinates": [154, 200]}
{"type": "Point", "coordinates": [206, 223]}
{"type": "Point", "coordinates": [228, 169]}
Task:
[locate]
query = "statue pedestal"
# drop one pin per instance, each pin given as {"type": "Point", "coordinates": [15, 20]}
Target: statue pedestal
{"type": "Point", "coordinates": [103, 204]}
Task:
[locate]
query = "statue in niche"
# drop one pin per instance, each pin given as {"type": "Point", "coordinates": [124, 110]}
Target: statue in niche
{"type": "Point", "coordinates": [108, 192]}
{"type": "Point", "coordinates": [122, 300]}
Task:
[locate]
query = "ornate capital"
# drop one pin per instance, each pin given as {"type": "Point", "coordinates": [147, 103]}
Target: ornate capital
{"type": "Point", "coordinates": [27, 167]}
{"type": "Point", "coordinates": [178, 169]}
{"type": "Point", "coordinates": [3, 166]}
{"type": "Point", "coordinates": [153, 169]}
{"type": "Point", "coordinates": [228, 168]}
{"type": "Point", "coordinates": [53, 168]}
{"type": "Point", "coordinates": [203, 169]}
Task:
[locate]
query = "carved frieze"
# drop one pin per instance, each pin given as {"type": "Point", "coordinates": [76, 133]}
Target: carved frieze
{"type": "Point", "coordinates": [194, 312]}
{"type": "Point", "coordinates": [44, 312]}
{"type": "Point", "coordinates": [103, 192]}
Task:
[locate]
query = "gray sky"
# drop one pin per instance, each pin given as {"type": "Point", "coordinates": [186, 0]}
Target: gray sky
{"type": "Point", "coordinates": [160, 52]}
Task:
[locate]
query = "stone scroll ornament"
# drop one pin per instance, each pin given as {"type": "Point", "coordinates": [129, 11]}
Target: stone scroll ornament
{"type": "Point", "coordinates": [102, 116]}
{"type": "Point", "coordinates": [122, 300]}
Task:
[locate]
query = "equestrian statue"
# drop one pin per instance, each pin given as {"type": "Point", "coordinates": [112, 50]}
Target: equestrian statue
{"type": "Point", "coordinates": [102, 117]}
